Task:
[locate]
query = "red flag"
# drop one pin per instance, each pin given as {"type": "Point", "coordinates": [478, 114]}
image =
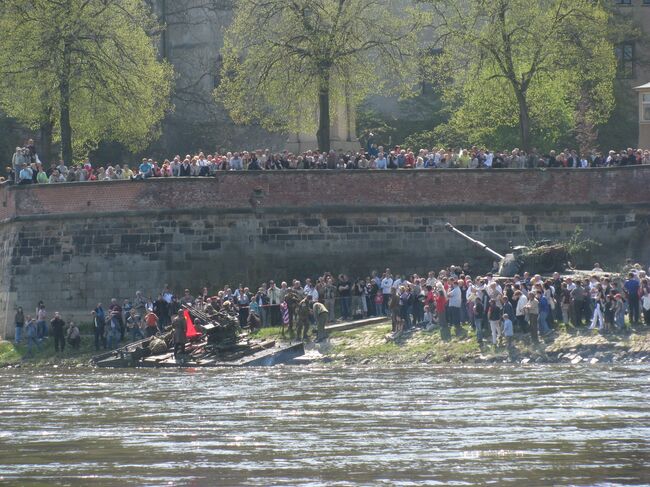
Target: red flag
{"type": "Point", "coordinates": [191, 332]}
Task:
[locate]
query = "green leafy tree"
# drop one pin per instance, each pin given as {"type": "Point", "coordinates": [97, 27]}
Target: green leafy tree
{"type": "Point", "coordinates": [542, 67]}
{"type": "Point", "coordinates": [88, 68]}
{"type": "Point", "coordinates": [285, 61]}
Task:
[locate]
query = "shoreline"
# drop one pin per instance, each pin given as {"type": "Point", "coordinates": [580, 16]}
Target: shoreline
{"type": "Point", "coordinates": [373, 345]}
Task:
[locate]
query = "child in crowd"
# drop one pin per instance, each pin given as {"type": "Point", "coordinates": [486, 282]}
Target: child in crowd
{"type": "Point", "coordinates": [427, 322]}
{"type": "Point", "coordinates": [508, 331]}
{"type": "Point", "coordinates": [619, 312]}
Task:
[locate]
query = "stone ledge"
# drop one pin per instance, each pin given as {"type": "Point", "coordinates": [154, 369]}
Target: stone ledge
{"type": "Point", "coordinates": [325, 209]}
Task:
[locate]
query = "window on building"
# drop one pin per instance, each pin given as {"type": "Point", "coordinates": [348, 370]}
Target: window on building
{"type": "Point", "coordinates": [624, 2]}
{"type": "Point", "coordinates": [645, 107]}
{"type": "Point", "coordinates": [625, 57]}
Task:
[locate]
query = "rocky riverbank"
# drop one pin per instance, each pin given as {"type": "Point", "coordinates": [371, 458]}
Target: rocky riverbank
{"type": "Point", "coordinates": [374, 345]}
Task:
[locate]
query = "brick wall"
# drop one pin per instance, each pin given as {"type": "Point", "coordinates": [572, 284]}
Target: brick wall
{"type": "Point", "coordinates": [74, 245]}
{"type": "Point", "coordinates": [319, 189]}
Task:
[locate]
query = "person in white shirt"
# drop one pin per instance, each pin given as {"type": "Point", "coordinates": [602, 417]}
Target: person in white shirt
{"type": "Point", "coordinates": [520, 311]}
{"type": "Point", "coordinates": [236, 163]}
{"type": "Point", "coordinates": [381, 162]}
{"type": "Point", "coordinates": [310, 290]}
{"type": "Point", "coordinates": [386, 286]}
{"type": "Point", "coordinates": [489, 157]}
{"type": "Point", "coordinates": [454, 303]}
{"type": "Point", "coordinates": [570, 285]}
{"type": "Point", "coordinates": [397, 282]}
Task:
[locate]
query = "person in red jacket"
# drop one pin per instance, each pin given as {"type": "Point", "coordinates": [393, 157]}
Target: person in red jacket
{"type": "Point", "coordinates": [441, 308]}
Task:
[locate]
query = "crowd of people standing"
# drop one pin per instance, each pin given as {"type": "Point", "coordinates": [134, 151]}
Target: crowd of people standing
{"type": "Point", "coordinates": [27, 168]}
{"type": "Point", "coordinates": [449, 299]}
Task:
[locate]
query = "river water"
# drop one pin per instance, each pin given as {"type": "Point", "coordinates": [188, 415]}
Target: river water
{"type": "Point", "coordinates": [310, 426]}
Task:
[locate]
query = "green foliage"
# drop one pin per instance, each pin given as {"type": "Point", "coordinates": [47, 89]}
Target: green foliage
{"type": "Point", "coordinates": [622, 129]}
{"type": "Point", "coordinates": [370, 121]}
{"type": "Point", "coordinates": [271, 332]}
{"type": "Point", "coordinates": [516, 70]}
{"type": "Point", "coordinates": [580, 248]}
{"type": "Point", "coordinates": [279, 55]}
{"type": "Point", "coordinates": [427, 138]}
{"type": "Point", "coordinates": [98, 51]}
{"type": "Point", "coordinates": [398, 120]}
{"type": "Point", "coordinates": [370, 343]}
{"type": "Point", "coordinates": [11, 353]}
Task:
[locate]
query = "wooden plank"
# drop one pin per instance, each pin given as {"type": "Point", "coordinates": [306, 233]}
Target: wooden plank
{"type": "Point", "coordinates": [351, 325]}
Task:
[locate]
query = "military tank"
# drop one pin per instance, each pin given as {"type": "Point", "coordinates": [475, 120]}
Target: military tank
{"type": "Point", "coordinates": [220, 343]}
{"type": "Point", "coordinates": [543, 258]}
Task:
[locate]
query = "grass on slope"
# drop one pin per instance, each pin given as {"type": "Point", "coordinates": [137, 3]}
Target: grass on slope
{"type": "Point", "coordinates": [13, 354]}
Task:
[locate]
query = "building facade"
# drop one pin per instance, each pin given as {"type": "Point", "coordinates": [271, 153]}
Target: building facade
{"type": "Point", "coordinates": [193, 38]}
{"type": "Point", "coordinates": [633, 55]}
{"type": "Point", "coordinates": [644, 115]}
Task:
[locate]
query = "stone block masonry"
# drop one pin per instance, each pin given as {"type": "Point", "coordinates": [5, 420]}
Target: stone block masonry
{"type": "Point", "coordinates": [74, 245]}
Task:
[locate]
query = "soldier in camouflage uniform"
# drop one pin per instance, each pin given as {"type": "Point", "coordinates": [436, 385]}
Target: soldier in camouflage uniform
{"type": "Point", "coordinates": [292, 297]}
{"type": "Point", "coordinates": [303, 312]}
{"type": "Point", "coordinates": [321, 313]}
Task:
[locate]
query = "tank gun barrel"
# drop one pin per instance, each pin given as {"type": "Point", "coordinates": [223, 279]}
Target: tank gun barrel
{"type": "Point", "coordinates": [474, 242]}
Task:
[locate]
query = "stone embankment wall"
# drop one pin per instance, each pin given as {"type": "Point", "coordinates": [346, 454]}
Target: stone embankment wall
{"type": "Point", "coordinates": [74, 245]}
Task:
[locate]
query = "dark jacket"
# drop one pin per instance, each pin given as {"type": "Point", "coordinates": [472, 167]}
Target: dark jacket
{"type": "Point", "coordinates": [494, 313]}
{"type": "Point", "coordinates": [58, 326]}
{"type": "Point", "coordinates": [479, 311]}
{"type": "Point", "coordinates": [98, 325]}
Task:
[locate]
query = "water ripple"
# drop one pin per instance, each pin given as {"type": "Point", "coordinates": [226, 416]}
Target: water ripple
{"type": "Point", "coordinates": [314, 426]}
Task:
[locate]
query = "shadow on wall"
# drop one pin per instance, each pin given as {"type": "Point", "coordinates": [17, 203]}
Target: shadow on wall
{"type": "Point", "coordinates": [639, 246]}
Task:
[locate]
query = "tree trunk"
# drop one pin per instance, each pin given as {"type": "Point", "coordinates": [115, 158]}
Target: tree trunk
{"type": "Point", "coordinates": [323, 134]}
{"type": "Point", "coordinates": [47, 128]}
{"type": "Point", "coordinates": [64, 88]}
{"type": "Point", "coordinates": [524, 121]}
